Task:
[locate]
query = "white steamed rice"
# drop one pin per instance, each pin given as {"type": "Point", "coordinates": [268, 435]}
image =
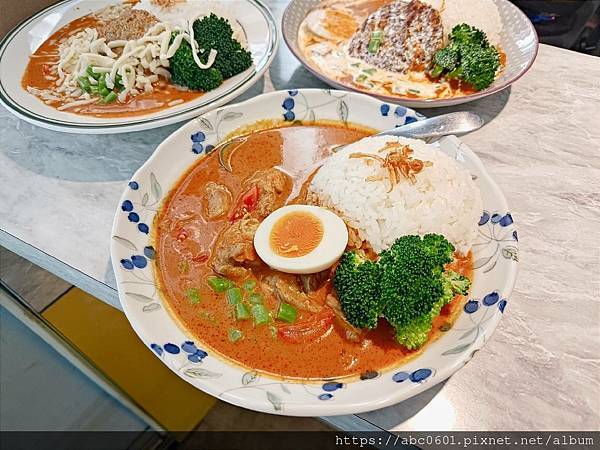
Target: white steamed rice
{"type": "Point", "coordinates": [444, 199]}
{"type": "Point", "coordinates": [482, 14]}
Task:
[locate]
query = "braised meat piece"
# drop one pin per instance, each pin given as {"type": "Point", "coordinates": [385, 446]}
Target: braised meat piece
{"type": "Point", "coordinates": [351, 332]}
{"type": "Point", "coordinates": [216, 201]}
{"type": "Point", "coordinates": [313, 281]}
{"type": "Point", "coordinates": [399, 37]}
{"type": "Point", "coordinates": [274, 187]}
{"type": "Point", "coordinates": [234, 248]}
{"type": "Point", "coordinates": [287, 288]}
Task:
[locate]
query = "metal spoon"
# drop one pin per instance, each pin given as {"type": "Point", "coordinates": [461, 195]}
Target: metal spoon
{"type": "Point", "coordinates": [434, 127]}
{"type": "Point", "coordinates": [443, 125]}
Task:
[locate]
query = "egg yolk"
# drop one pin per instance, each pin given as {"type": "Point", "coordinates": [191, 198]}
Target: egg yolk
{"type": "Point", "coordinates": [296, 234]}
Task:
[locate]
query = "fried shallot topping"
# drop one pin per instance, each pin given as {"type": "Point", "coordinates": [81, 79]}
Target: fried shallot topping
{"type": "Point", "coordinates": [398, 162]}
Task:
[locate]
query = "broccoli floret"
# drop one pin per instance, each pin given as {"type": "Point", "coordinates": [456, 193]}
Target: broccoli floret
{"type": "Point", "coordinates": [411, 282]}
{"type": "Point", "coordinates": [468, 56]}
{"type": "Point", "coordinates": [446, 58]}
{"type": "Point", "coordinates": [466, 34]}
{"type": "Point", "coordinates": [479, 66]}
{"type": "Point", "coordinates": [408, 286]}
{"type": "Point", "coordinates": [455, 284]}
{"type": "Point", "coordinates": [414, 334]}
{"type": "Point", "coordinates": [415, 285]}
{"type": "Point", "coordinates": [356, 282]}
{"type": "Point", "coordinates": [210, 32]}
{"type": "Point", "coordinates": [234, 60]}
{"type": "Point", "coordinates": [185, 72]}
{"type": "Point", "coordinates": [212, 29]}
{"type": "Point", "coordinates": [213, 32]}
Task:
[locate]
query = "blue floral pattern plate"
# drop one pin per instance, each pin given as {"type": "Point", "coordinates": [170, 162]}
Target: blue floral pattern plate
{"type": "Point", "coordinates": [495, 261]}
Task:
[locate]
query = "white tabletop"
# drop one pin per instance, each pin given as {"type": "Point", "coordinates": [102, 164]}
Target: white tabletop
{"type": "Point", "coordinates": [539, 371]}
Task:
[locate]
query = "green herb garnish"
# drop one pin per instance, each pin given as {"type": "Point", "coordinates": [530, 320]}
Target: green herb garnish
{"type": "Point", "coordinates": [193, 295]}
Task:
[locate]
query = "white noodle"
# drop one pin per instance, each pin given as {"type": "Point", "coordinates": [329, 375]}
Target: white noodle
{"type": "Point", "coordinates": [141, 62]}
{"type": "Point", "coordinates": [100, 69]}
{"type": "Point", "coordinates": [76, 103]}
{"type": "Point", "coordinates": [211, 56]}
{"type": "Point", "coordinates": [117, 43]}
{"type": "Point", "coordinates": [175, 45]}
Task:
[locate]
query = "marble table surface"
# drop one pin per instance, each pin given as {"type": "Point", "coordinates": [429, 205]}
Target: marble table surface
{"type": "Point", "coordinates": [539, 371]}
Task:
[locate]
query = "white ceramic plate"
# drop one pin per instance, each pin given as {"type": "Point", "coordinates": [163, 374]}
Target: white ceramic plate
{"type": "Point", "coordinates": [518, 40]}
{"type": "Point", "coordinates": [495, 261]}
{"type": "Point", "coordinates": [15, 48]}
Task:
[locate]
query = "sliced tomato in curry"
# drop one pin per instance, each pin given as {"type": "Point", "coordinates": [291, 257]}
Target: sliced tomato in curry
{"type": "Point", "coordinates": [245, 203]}
{"type": "Point", "coordinates": [309, 330]}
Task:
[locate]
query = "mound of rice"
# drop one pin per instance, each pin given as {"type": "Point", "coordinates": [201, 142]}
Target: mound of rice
{"type": "Point", "coordinates": [444, 199]}
{"type": "Point", "coordinates": [482, 14]}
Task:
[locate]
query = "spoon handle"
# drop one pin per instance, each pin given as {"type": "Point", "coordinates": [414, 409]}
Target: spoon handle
{"type": "Point", "coordinates": [452, 123]}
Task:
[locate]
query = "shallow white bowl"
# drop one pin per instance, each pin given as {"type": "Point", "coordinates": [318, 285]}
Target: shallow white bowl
{"type": "Point", "coordinates": [518, 40]}
{"type": "Point", "coordinates": [495, 255]}
{"type": "Point", "coordinates": [17, 45]}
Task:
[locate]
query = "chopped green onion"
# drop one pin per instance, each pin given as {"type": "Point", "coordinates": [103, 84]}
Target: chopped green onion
{"type": "Point", "coordinates": [84, 84]}
{"type": "Point", "coordinates": [183, 266]}
{"type": "Point", "coordinates": [373, 46]}
{"type": "Point", "coordinates": [110, 97]}
{"type": "Point", "coordinates": [375, 41]}
{"type": "Point", "coordinates": [219, 285]}
{"type": "Point", "coordinates": [260, 314]}
{"type": "Point", "coordinates": [194, 295]}
{"type": "Point", "coordinates": [249, 285]}
{"type": "Point", "coordinates": [234, 335]}
{"type": "Point", "coordinates": [208, 316]}
{"type": "Point", "coordinates": [413, 91]}
{"type": "Point", "coordinates": [91, 73]}
{"type": "Point", "coordinates": [361, 78]}
{"type": "Point", "coordinates": [355, 65]}
{"type": "Point", "coordinates": [234, 295]}
{"type": "Point", "coordinates": [287, 312]}
{"type": "Point", "coordinates": [255, 299]}
{"type": "Point", "coordinates": [241, 311]}
{"type": "Point", "coordinates": [370, 71]}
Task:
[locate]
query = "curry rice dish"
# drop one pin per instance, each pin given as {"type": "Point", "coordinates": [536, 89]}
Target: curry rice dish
{"type": "Point", "coordinates": [389, 291]}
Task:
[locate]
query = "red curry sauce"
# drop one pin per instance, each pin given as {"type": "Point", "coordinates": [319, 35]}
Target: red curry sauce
{"type": "Point", "coordinates": [184, 241]}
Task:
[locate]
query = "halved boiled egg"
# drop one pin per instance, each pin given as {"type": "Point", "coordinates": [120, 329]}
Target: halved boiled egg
{"type": "Point", "coordinates": [301, 239]}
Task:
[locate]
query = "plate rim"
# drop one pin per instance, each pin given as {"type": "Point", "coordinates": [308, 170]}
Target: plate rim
{"type": "Point", "coordinates": [407, 101]}
{"type": "Point", "coordinates": [140, 123]}
{"type": "Point", "coordinates": [324, 409]}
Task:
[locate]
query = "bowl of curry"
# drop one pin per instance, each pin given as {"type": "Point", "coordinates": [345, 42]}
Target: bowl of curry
{"type": "Point", "coordinates": [195, 290]}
